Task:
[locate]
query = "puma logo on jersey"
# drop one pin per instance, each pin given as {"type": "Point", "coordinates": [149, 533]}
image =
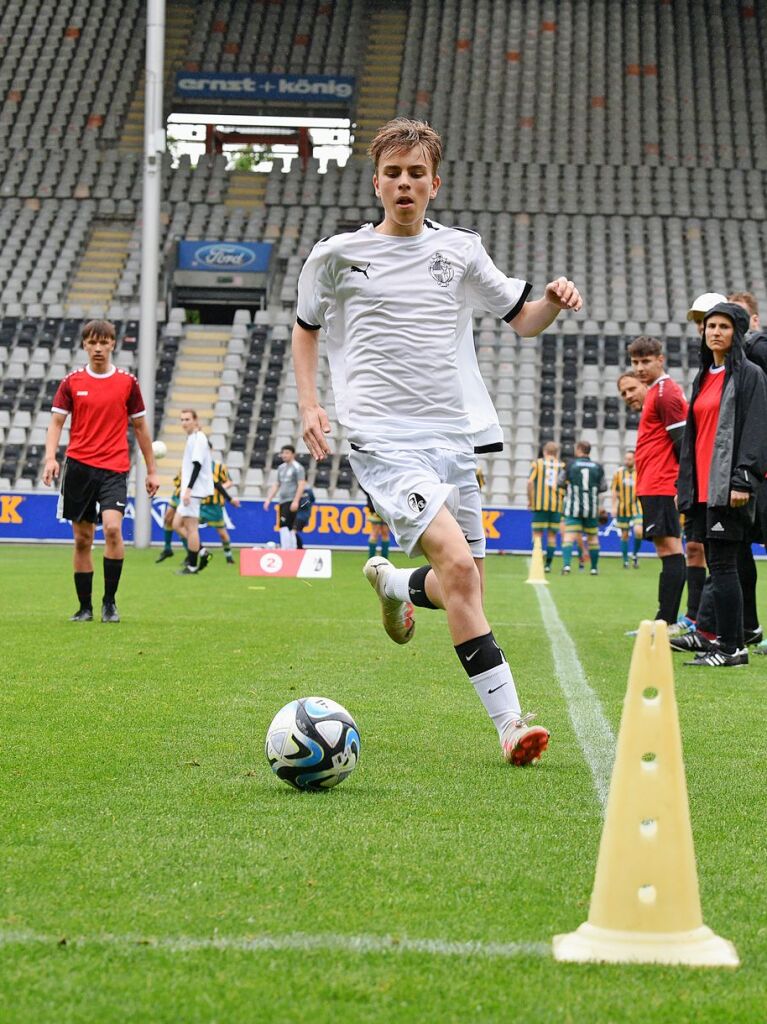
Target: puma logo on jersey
{"type": "Point", "coordinates": [360, 270]}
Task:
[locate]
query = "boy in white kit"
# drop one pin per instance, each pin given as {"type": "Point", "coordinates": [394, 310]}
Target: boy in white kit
{"type": "Point", "coordinates": [396, 302]}
{"type": "Point", "coordinates": [196, 484]}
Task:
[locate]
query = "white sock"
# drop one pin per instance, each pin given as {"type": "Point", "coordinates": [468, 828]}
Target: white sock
{"type": "Point", "coordinates": [496, 689]}
{"type": "Point", "coordinates": [396, 584]}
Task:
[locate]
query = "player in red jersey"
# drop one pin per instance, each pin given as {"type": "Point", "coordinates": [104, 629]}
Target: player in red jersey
{"type": "Point", "coordinates": [659, 438]}
{"type": "Point", "coordinates": [94, 481]}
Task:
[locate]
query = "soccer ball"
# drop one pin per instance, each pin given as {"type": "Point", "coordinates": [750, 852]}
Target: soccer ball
{"type": "Point", "coordinates": [160, 449]}
{"type": "Point", "coordinates": [313, 743]}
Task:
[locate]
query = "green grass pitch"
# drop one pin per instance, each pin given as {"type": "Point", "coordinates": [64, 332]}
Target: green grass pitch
{"type": "Point", "coordinates": [140, 824]}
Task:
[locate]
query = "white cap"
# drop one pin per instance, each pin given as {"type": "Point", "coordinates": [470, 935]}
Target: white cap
{"type": "Point", "coordinates": [704, 303]}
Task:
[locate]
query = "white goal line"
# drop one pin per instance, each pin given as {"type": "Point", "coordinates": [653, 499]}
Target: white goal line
{"type": "Point", "coordinates": [294, 941]}
{"type": "Point", "coordinates": [592, 730]}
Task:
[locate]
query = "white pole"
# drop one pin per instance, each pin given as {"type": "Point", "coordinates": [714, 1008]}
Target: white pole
{"type": "Point", "coordinates": [154, 147]}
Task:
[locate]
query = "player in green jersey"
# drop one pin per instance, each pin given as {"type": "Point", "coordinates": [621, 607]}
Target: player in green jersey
{"type": "Point", "coordinates": [583, 480]}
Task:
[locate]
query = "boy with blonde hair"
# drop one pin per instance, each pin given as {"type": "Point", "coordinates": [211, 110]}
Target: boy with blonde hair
{"type": "Point", "coordinates": [396, 302]}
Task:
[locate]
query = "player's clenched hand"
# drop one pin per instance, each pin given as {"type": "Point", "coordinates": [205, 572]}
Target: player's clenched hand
{"type": "Point", "coordinates": [315, 425]}
{"type": "Point", "coordinates": [739, 498]}
{"type": "Point", "coordinates": [50, 472]}
{"type": "Point", "coordinates": [564, 294]}
{"type": "Point", "coordinates": [152, 484]}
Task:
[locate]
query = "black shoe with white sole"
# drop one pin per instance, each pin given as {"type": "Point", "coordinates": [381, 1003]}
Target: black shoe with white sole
{"type": "Point", "coordinates": [82, 615]}
{"type": "Point", "coordinates": [691, 643]}
{"type": "Point", "coordinates": [754, 636]}
{"type": "Point", "coordinates": [717, 658]}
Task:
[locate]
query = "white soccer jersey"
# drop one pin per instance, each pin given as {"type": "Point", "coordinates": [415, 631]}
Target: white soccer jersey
{"type": "Point", "coordinates": [197, 450]}
{"type": "Point", "coordinates": [397, 315]}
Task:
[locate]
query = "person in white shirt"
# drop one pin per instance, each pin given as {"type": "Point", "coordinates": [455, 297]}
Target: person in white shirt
{"type": "Point", "coordinates": [196, 484]}
{"type": "Point", "coordinates": [395, 302]}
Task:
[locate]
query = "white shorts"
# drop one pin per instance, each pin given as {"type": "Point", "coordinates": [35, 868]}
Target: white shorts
{"type": "Point", "coordinates": [192, 509]}
{"type": "Point", "coordinates": [409, 488]}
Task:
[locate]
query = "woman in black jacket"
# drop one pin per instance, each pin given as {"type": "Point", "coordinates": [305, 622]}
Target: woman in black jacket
{"type": "Point", "coordinates": [723, 460]}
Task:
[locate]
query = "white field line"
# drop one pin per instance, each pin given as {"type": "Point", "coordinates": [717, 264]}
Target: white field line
{"type": "Point", "coordinates": [295, 941]}
{"type": "Point", "coordinates": [592, 730]}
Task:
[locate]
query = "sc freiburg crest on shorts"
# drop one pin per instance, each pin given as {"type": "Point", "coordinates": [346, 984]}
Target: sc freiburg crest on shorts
{"type": "Point", "coordinates": [416, 501]}
{"type": "Point", "coordinates": [441, 269]}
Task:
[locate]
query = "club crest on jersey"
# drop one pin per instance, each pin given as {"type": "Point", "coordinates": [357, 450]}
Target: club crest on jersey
{"type": "Point", "coordinates": [416, 502]}
{"type": "Point", "coordinates": [441, 269]}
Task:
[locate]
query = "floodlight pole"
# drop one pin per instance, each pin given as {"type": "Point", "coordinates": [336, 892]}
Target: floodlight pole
{"type": "Point", "coordinates": [154, 147]}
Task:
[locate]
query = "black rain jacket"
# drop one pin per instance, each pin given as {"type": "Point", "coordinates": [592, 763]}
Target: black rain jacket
{"type": "Point", "coordinates": [739, 458]}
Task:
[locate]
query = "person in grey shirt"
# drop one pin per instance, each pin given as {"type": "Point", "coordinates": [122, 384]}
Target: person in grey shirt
{"type": "Point", "coordinates": [289, 486]}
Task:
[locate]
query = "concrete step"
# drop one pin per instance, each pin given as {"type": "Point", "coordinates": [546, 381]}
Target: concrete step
{"type": "Point", "coordinates": [191, 395]}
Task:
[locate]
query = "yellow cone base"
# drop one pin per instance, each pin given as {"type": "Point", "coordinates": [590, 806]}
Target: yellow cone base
{"type": "Point", "coordinates": [536, 574]}
{"type": "Point", "coordinates": [698, 948]}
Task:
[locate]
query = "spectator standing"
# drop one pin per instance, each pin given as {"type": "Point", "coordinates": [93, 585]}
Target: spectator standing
{"type": "Point", "coordinates": [289, 486]}
{"type": "Point", "coordinates": [659, 438]}
{"type": "Point", "coordinates": [378, 531]}
{"type": "Point", "coordinates": [212, 507]}
{"type": "Point", "coordinates": [102, 401]}
{"type": "Point", "coordinates": [626, 509]}
{"type": "Point", "coordinates": [723, 461]}
{"type": "Point", "coordinates": [583, 481]}
{"type": "Point", "coordinates": [544, 499]}
{"type": "Point", "coordinates": [196, 485]}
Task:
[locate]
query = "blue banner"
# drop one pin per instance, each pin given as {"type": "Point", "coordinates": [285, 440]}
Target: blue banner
{"type": "Point", "coordinates": [231, 85]}
{"type": "Point", "coordinates": [333, 524]}
{"type": "Point", "coordinates": [240, 257]}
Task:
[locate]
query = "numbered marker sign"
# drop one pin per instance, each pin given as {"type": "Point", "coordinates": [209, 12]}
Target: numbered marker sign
{"type": "Point", "coordinates": [314, 563]}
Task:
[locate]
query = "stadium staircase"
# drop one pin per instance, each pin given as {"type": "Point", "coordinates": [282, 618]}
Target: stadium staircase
{"type": "Point", "coordinates": [180, 19]}
{"type": "Point", "coordinates": [246, 190]}
{"type": "Point", "coordinates": [379, 81]}
{"type": "Point", "coordinates": [100, 267]}
{"type": "Point", "coordinates": [198, 368]}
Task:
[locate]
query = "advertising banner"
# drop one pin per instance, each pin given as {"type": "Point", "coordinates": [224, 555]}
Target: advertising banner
{"type": "Point", "coordinates": [216, 256]}
{"type": "Point", "coordinates": [332, 524]}
{"type": "Point", "coordinates": [232, 85]}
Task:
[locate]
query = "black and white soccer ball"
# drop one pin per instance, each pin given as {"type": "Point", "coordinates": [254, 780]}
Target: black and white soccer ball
{"type": "Point", "coordinates": [313, 743]}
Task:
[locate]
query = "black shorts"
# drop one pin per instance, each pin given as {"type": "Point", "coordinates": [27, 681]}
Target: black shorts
{"type": "Point", "coordinates": [729, 524]}
{"type": "Point", "coordinates": [87, 491]}
{"type": "Point", "coordinates": [659, 516]}
{"type": "Point", "coordinates": [287, 515]}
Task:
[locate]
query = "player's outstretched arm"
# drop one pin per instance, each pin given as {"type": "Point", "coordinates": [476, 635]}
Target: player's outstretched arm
{"type": "Point", "coordinates": [539, 314]}
{"type": "Point", "coordinates": [313, 417]}
{"type": "Point", "coordinates": [52, 438]}
{"type": "Point", "coordinates": [144, 439]}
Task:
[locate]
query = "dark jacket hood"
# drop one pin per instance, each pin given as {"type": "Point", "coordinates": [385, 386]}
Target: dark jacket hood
{"type": "Point", "coordinates": [740, 321]}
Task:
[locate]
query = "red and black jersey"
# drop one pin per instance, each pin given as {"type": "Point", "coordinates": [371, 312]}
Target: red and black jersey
{"type": "Point", "coordinates": [664, 410]}
{"type": "Point", "coordinates": [100, 405]}
{"type": "Point", "coordinates": [706, 413]}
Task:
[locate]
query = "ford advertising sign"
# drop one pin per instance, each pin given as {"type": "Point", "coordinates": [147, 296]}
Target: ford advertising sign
{"type": "Point", "coordinates": [240, 257]}
{"type": "Point", "coordinates": [221, 85]}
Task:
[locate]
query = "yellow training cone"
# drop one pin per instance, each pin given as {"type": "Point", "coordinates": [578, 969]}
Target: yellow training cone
{"type": "Point", "coordinates": [645, 907]}
{"type": "Point", "coordinates": [536, 574]}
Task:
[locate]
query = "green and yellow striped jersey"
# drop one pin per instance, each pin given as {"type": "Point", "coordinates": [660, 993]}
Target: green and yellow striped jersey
{"type": "Point", "coordinates": [624, 487]}
{"type": "Point", "coordinates": [544, 474]}
{"type": "Point", "coordinates": [220, 476]}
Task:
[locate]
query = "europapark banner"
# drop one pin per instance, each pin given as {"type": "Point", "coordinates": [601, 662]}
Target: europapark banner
{"type": "Point", "coordinates": [31, 516]}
